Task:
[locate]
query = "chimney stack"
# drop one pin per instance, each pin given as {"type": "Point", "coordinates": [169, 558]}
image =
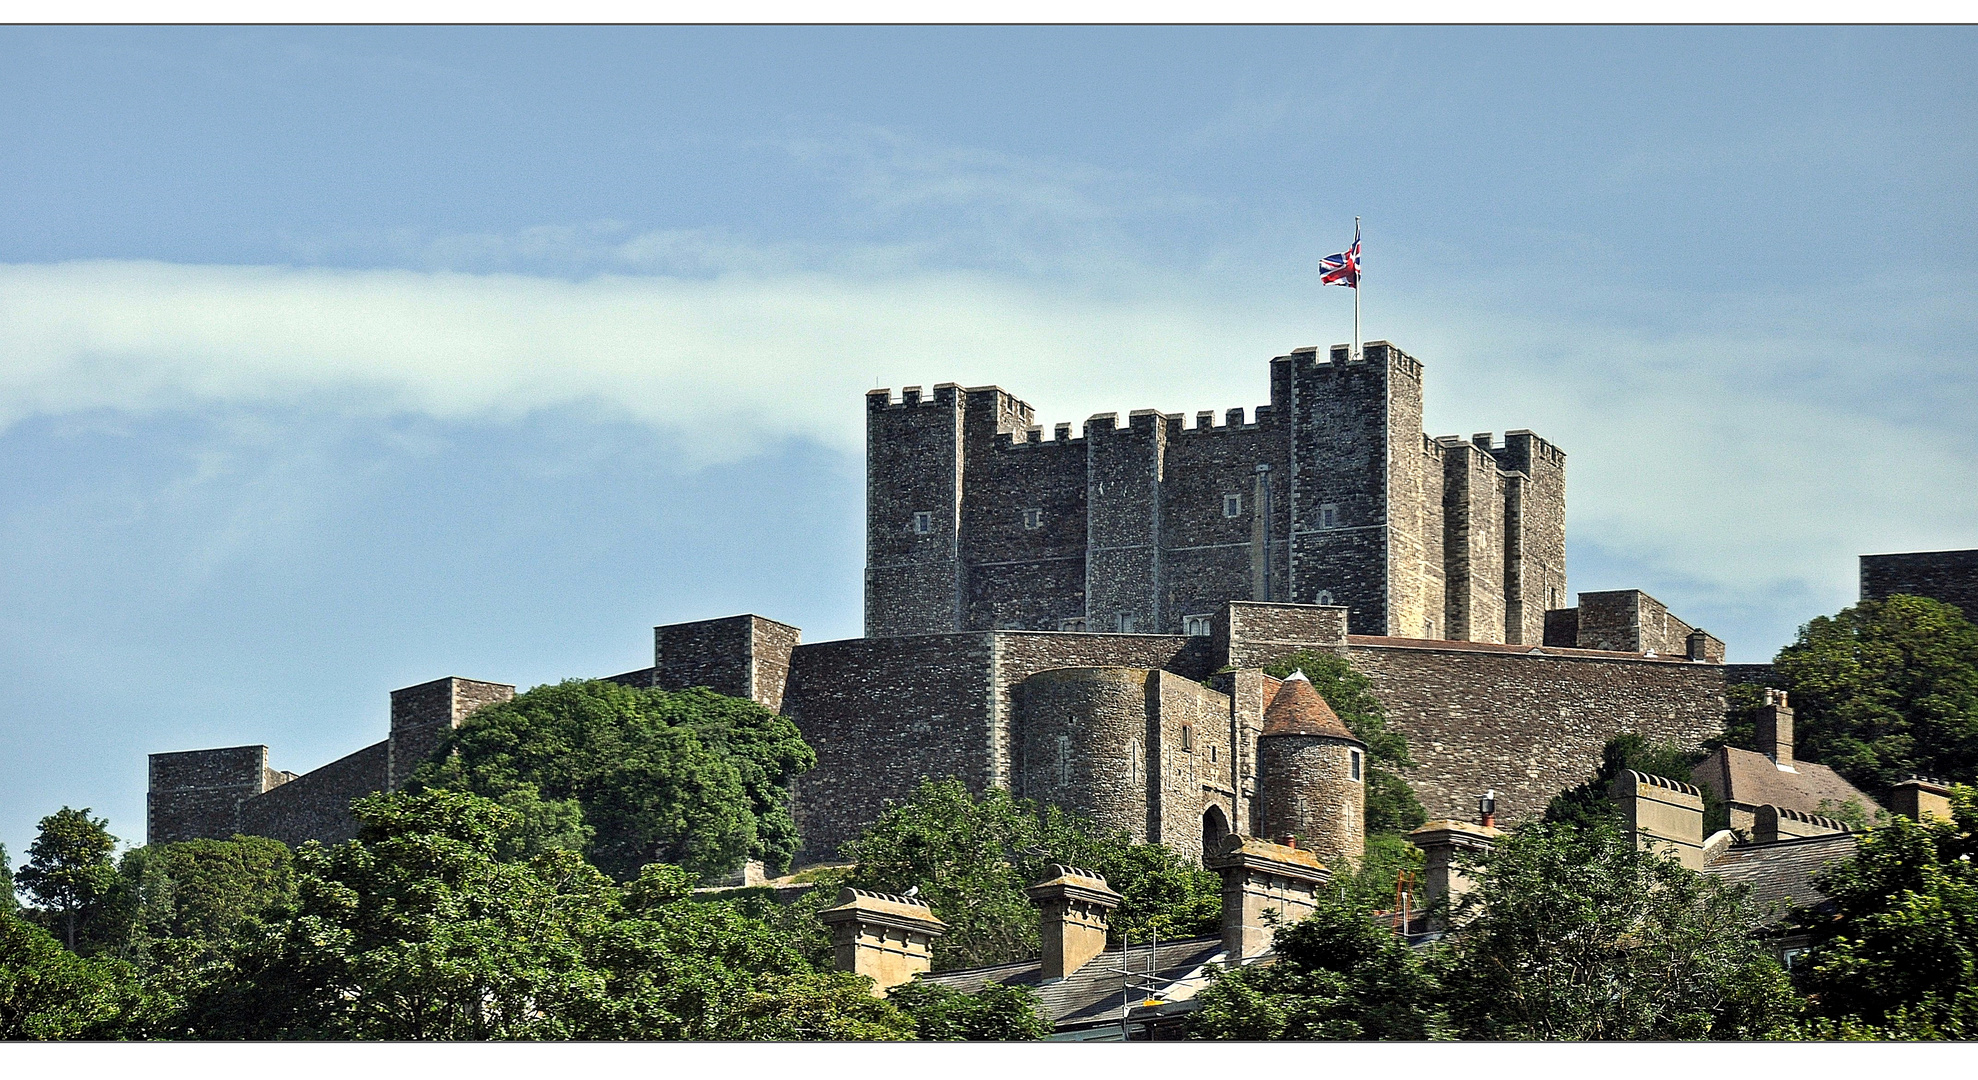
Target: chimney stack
{"type": "Point", "coordinates": [1441, 841]}
{"type": "Point", "coordinates": [1921, 798]}
{"type": "Point", "coordinates": [1259, 877]}
{"type": "Point", "coordinates": [1487, 809]}
{"type": "Point", "coordinates": [1662, 814]}
{"type": "Point", "coordinates": [887, 937]}
{"type": "Point", "coordinates": [1775, 729]}
{"type": "Point", "coordinates": [1075, 904]}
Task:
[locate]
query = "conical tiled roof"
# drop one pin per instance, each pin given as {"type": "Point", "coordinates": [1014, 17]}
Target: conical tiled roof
{"type": "Point", "coordinates": [1297, 709]}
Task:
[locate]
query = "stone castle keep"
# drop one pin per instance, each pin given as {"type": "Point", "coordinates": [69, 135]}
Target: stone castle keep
{"type": "Point", "coordinates": [1082, 621]}
{"type": "Point", "coordinates": [1330, 495]}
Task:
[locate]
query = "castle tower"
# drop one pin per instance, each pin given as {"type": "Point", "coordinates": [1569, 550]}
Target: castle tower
{"type": "Point", "coordinates": [1314, 773]}
{"type": "Point", "coordinates": [1367, 495]}
{"type": "Point", "coordinates": [913, 506]}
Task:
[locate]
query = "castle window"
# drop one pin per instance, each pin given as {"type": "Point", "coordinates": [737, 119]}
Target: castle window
{"type": "Point", "coordinates": [1033, 518]}
{"type": "Point", "coordinates": [1212, 754]}
{"type": "Point", "coordinates": [1232, 505]}
{"type": "Point", "coordinates": [1196, 625]}
{"type": "Point", "coordinates": [1187, 739]}
{"type": "Point", "coordinates": [923, 522]}
{"type": "Point", "coordinates": [1127, 624]}
{"type": "Point", "coordinates": [1323, 599]}
{"type": "Point", "coordinates": [1328, 515]}
{"type": "Point", "coordinates": [1354, 765]}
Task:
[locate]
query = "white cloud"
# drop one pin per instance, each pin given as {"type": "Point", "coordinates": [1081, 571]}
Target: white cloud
{"type": "Point", "coordinates": [1740, 456]}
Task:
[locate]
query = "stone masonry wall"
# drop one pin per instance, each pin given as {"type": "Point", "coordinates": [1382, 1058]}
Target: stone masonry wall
{"type": "Point", "coordinates": [1526, 724]}
{"type": "Point", "coordinates": [422, 715]}
{"type": "Point", "coordinates": [884, 712]}
{"type": "Point", "coordinates": [316, 805]}
{"type": "Point", "coordinates": [913, 465]}
{"type": "Point", "coordinates": [1948, 576]}
{"type": "Point", "coordinates": [196, 794]}
{"type": "Point", "coordinates": [1331, 494]}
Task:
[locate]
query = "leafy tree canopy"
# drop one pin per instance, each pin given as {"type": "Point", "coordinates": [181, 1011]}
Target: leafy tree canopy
{"type": "Point", "coordinates": [8, 902]}
{"type": "Point", "coordinates": [1571, 933]}
{"type": "Point", "coordinates": [1885, 689]}
{"type": "Point", "coordinates": [202, 894]}
{"type": "Point", "coordinates": [1590, 804]}
{"type": "Point", "coordinates": [631, 777]}
{"type": "Point", "coordinates": [1391, 804]}
{"type": "Point", "coordinates": [1897, 954]}
{"type": "Point", "coordinates": [418, 930]}
{"type": "Point", "coordinates": [68, 871]}
{"type": "Point", "coordinates": [48, 992]}
{"type": "Point", "coordinates": [1338, 975]}
{"type": "Point", "coordinates": [972, 857]}
{"type": "Point", "coordinates": [995, 1013]}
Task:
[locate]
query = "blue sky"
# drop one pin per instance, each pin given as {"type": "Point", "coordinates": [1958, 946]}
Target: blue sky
{"type": "Point", "coordinates": [336, 360]}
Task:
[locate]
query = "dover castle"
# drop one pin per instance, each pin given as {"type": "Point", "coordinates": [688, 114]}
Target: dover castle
{"type": "Point", "coordinates": [1082, 620]}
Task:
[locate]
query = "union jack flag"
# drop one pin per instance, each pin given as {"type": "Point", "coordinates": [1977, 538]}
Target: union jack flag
{"type": "Point", "coordinates": [1343, 268]}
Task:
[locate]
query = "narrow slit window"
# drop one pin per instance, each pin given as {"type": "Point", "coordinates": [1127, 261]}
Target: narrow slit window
{"type": "Point", "coordinates": [923, 522]}
{"type": "Point", "coordinates": [1355, 766]}
{"type": "Point", "coordinates": [1033, 518]}
{"type": "Point", "coordinates": [1187, 739]}
{"type": "Point", "coordinates": [1328, 516]}
{"type": "Point", "coordinates": [1232, 505]}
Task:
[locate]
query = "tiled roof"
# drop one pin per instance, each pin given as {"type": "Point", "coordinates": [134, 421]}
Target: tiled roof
{"type": "Point", "coordinates": [1742, 776]}
{"type": "Point", "coordinates": [1297, 709]}
{"type": "Point", "coordinates": [1781, 873]}
{"type": "Point", "coordinates": [1095, 992]}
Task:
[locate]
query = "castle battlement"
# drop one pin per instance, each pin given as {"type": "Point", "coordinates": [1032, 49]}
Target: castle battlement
{"type": "Point", "coordinates": [1157, 521]}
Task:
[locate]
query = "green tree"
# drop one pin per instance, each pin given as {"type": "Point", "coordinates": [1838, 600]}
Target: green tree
{"type": "Point", "coordinates": [48, 992]}
{"type": "Point", "coordinates": [631, 776]}
{"type": "Point", "coordinates": [1885, 689]}
{"type": "Point", "coordinates": [1896, 955]}
{"type": "Point", "coordinates": [68, 870]}
{"type": "Point", "coordinates": [8, 902]}
{"type": "Point", "coordinates": [419, 930]}
{"type": "Point", "coordinates": [1573, 934]}
{"type": "Point", "coordinates": [972, 857]}
{"type": "Point", "coordinates": [994, 1013]}
{"type": "Point", "coordinates": [204, 893]}
{"type": "Point", "coordinates": [1338, 975]}
{"type": "Point", "coordinates": [1391, 804]}
{"type": "Point", "coordinates": [1589, 803]}
{"type": "Point", "coordinates": [1372, 882]}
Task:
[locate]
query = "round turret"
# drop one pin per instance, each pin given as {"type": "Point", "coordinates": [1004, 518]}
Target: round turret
{"type": "Point", "coordinates": [1313, 773]}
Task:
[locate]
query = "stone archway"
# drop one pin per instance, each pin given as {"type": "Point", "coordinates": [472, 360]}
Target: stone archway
{"type": "Point", "coordinates": [1215, 826]}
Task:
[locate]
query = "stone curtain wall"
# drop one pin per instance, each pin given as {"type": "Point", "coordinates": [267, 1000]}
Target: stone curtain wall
{"type": "Point", "coordinates": [1947, 576]}
{"type": "Point", "coordinates": [316, 805]}
{"type": "Point", "coordinates": [882, 713]}
{"type": "Point", "coordinates": [1253, 635]}
{"type": "Point", "coordinates": [1528, 725]}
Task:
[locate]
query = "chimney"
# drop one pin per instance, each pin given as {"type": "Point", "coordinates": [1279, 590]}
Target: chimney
{"type": "Point", "coordinates": [1772, 823]}
{"type": "Point", "coordinates": [887, 937]}
{"type": "Point", "coordinates": [1921, 798]}
{"type": "Point", "coordinates": [1260, 877]}
{"type": "Point", "coordinates": [1075, 904]}
{"type": "Point", "coordinates": [1775, 729]}
{"type": "Point", "coordinates": [1441, 841]}
{"type": "Point", "coordinates": [1487, 809]}
{"type": "Point", "coordinates": [1662, 814]}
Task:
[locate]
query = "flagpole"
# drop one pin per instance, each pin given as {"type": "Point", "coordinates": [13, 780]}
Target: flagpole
{"type": "Point", "coordinates": [1358, 276]}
